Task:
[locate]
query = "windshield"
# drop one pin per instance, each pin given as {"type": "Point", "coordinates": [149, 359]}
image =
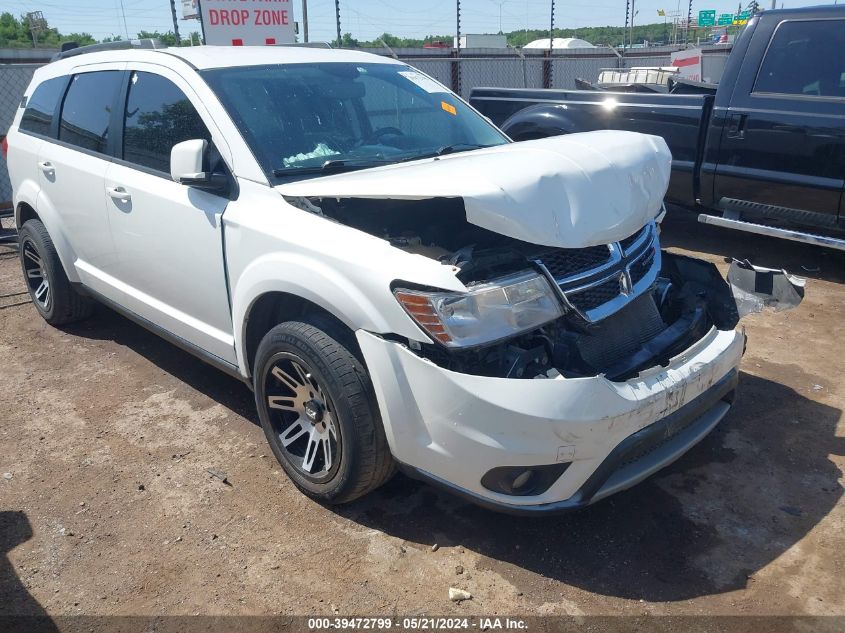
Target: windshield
{"type": "Point", "coordinates": [304, 119]}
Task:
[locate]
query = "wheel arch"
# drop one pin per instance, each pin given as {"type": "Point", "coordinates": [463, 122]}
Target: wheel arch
{"type": "Point", "coordinates": [292, 283]}
{"type": "Point", "coordinates": [31, 205]}
{"type": "Point", "coordinates": [538, 121]}
{"type": "Point", "coordinates": [274, 307]}
{"type": "Point", "coordinates": [24, 212]}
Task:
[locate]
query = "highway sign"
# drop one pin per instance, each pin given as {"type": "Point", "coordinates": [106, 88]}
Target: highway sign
{"type": "Point", "coordinates": [707, 18]}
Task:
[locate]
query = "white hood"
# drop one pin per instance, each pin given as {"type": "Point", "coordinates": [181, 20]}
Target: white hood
{"type": "Point", "coordinates": [566, 191]}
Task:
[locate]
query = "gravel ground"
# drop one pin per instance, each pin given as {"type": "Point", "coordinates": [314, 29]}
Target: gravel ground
{"type": "Point", "coordinates": [107, 434]}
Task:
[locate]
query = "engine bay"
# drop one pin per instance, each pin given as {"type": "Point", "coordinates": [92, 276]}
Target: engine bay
{"type": "Point", "coordinates": [660, 304]}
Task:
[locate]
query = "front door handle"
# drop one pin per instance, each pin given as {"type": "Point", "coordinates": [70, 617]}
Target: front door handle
{"type": "Point", "coordinates": [118, 193]}
{"type": "Point", "coordinates": [46, 166]}
{"type": "Point", "coordinates": [736, 125]}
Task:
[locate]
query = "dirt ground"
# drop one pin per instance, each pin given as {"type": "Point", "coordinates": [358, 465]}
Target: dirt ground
{"type": "Point", "coordinates": [107, 434]}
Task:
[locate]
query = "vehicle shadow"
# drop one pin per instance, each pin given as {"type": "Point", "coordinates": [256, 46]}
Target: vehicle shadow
{"type": "Point", "coordinates": [108, 325]}
{"type": "Point", "coordinates": [681, 229]}
{"type": "Point", "coordinates": [19, 610]}
{"type": "Point", "coordinates": [702, 526]}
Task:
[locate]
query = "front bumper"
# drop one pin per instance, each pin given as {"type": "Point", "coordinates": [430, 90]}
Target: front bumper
{"type": "Point", "coordinates": [452, 428]}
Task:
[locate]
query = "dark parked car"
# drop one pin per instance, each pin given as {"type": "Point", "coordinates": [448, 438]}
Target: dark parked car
{"type": "Point", "coordinates": [765, 153]}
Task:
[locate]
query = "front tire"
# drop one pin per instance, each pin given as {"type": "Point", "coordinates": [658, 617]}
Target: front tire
{"type": "Point", "coordinates": [52, 294]}
{"type": "Point", "coordinates": [318, 412]}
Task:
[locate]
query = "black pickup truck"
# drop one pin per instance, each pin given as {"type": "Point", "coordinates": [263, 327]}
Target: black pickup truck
{"type": "Point", "coordinates": [765, 153]}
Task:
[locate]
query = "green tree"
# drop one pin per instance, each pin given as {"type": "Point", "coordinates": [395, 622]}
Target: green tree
{"type": "Point", "coordinates": [168, 38]}
{"type": "Point", "coordinates": [347, 41]}
{"type": "Point", "coordinates": [15, 33]}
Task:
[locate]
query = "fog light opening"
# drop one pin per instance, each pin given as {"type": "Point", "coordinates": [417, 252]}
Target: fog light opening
{"type": "Point", "coordinates": [522, 481]}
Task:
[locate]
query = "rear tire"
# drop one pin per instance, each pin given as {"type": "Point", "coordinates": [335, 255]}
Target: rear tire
{"type": "Point", "coordinates": [52, 294]}
{"type": "Point", "coordinates": [318, 411]}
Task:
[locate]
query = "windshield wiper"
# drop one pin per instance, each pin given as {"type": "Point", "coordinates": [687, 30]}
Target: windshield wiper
{"type": "Point", "coordinates": [340, 165]}
{"type": "Point", "coordinates": [446, 149]}
{"type": "Point", "coordinates": [331, 165]}
{"type": "Point", "coordinates": [459, 147]}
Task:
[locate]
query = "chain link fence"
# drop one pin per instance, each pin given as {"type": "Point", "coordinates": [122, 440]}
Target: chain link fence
{"type": "Point", "coordinates": [512, 68]}
{"type": "Point", "coordinates": [14, 78]}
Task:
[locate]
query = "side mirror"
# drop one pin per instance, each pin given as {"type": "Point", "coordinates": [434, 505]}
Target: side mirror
{"type": "Point", "coordinates": [186, 167]}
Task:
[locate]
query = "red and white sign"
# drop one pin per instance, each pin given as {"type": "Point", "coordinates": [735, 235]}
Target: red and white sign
{"type": "Point", "coordinates": [248, 22]}
{"type": "Point", "coordinates": [688, 63]}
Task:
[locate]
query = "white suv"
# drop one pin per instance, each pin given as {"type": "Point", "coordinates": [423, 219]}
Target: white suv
{"type": "Point", "coordinates": [400, 284]}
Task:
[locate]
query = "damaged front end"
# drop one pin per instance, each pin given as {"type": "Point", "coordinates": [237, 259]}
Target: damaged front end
{"type": "Point", "coordinates": [625, 307]}
{"type": "Point", "coordinates": [532, 311]}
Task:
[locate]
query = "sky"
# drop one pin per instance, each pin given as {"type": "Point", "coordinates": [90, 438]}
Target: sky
{"type": "Point", "coordinates": [366, 19]}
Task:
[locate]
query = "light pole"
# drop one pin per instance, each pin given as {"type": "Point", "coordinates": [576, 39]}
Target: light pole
{"type": "Point", "coordinates": [500, 3]}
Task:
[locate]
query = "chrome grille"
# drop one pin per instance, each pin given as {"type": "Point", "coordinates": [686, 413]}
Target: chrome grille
{"type": "Point", "coordinates": [631, 239]}
{"type": "Point", "coordinates": [598, 281]}
{"type": "Point", "coordinates": [563, 262]}
{"type": "Point", "coordinates": [640, 268]}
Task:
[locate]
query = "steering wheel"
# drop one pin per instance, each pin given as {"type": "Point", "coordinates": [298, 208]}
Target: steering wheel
{"type": "Point", "coordinates": [377, 134]}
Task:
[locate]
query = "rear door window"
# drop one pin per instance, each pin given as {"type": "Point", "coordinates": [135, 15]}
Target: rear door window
{"type": "Point", "coordinates": [86, 113]}
{"type": "Point", "coordinates": [41, 106]}
{"type": "Point", "coordinates": [158, 116]}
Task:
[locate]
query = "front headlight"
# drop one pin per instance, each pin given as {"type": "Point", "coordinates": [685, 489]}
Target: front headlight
{"type": "Point", "coordinates": [486, 312]}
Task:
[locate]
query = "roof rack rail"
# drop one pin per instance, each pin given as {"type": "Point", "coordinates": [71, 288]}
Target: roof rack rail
{"type": "Point", "coordinates": [71, 49]}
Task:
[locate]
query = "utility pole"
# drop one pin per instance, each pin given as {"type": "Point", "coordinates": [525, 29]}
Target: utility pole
{"type": "Point", "coordinates": [202, 26]}
{"type": "Point", "coordinates": [305, 20]}
{"type": "Point", "coordinates": [458, 29]}
{"type": "Point", "coordinates": [37, 23]}
{"type": "Point", "coordinates": [123, 12]}
{"type": "Point", "coordinates": [552, 29]}
{"type": "Point", "coordinates": [633, 15]}
{"type": "Point", "coordinates": [456, 64]}
{"type": "Point", "coordinates": [337, 20]}
{"type": "Point", "coordinates": [689, 23]}
{"type": "Point", "coordinates": [175, 22]}
{"type": "Point", "coordinates": [625, 30]}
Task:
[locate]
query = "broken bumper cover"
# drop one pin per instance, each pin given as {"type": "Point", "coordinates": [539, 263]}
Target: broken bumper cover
{"type": "Point", "coordinates": [451, 428]}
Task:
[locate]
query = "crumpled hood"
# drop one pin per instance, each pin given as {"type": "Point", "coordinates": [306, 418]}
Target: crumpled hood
{"type": "Point", "coordinates": [566, 191]}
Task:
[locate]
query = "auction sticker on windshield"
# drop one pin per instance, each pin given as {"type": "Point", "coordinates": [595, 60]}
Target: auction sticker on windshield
{"type": "Point", "coordinates": [426, 83]}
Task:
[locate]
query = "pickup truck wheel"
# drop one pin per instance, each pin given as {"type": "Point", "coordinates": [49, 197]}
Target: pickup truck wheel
{"type": "Point", "coordinates": [51, 292]}
{"type": "Point", "coordinates": [317, 408]}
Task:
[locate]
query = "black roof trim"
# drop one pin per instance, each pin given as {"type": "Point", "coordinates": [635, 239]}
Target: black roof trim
{"type": "Point", "coordinates": [122, 45]}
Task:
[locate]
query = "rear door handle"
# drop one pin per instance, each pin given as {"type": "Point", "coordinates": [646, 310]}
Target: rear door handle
{"type": "Point", "coordinates": [118, 193]}
{"type": "Point", "coordinates": [736, 125]}
{"type": "Point", "coordinates": [46, 166]}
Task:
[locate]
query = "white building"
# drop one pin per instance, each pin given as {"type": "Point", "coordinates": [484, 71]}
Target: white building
{"type": "Point", "coordinates": [483, 41]}
{"type": "Point", "coordinates": [560, 42]}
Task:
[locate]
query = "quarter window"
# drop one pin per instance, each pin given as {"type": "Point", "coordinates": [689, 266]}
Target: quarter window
{"type": "Point", "coordinates": [38, 116]}
{"type": "Point", "coordinates": [158, 116]}
{"type": "Point", "coordinates": [87, 109]}
{"type": "Point", "coordinates": [805, 58]}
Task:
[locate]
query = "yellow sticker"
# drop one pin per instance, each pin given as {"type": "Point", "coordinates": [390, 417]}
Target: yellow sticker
{"type": "Point", "coordinates": [449, 108]}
